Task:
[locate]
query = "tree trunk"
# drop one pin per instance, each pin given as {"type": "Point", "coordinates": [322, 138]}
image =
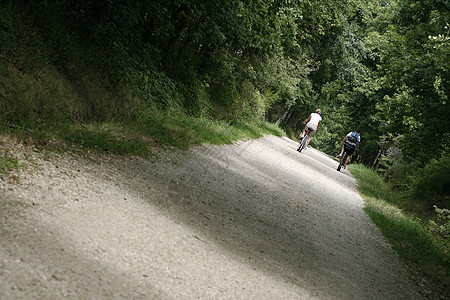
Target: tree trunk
{"type": "Point", "coordinates": [376, 162]}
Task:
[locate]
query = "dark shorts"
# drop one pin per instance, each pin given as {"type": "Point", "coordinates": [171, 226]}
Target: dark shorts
{"type": "Point", "coordinates": [349, 150]}
{"type": "Point", "coordinates": [311, 131]}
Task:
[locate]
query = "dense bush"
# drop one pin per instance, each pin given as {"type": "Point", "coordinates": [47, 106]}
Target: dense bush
{"type": "Point", "coordinates": [432, 182]}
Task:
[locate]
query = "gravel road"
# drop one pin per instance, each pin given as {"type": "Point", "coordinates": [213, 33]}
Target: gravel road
{"type": "Point", "coordinates": [252, 220]}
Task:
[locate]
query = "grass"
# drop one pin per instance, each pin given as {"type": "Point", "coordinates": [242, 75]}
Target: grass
{"type": "Point", "coordinates": [136, 137]}
{"type": "Point", "coordinates": [7, 164]}
{"type": "Point", "coordinates": [8, 160]}
{"type": "Point", "coordinates": [424, 253]}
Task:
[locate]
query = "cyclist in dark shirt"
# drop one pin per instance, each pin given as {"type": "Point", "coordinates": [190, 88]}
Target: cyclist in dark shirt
{"type": "Point", "coordinates": [350, 144]}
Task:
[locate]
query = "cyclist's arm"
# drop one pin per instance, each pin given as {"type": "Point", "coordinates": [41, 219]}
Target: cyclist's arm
{"type": "Point", "coordinates": [307, 120]}
{"type": "Point", "coordinates": [343, 141]}
{"type": "Point", "coordinates": [318, 125]}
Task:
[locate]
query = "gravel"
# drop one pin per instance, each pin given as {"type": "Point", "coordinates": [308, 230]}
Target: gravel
{"type": "Point", "coordinates": [251, 220]}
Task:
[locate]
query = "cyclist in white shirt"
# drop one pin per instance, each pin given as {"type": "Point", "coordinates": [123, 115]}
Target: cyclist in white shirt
{"type": "Point", "coordinates": [313, 123]}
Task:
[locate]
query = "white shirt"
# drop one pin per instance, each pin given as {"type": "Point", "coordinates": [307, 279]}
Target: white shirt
{"type": "Point", "coordinates": [314, 121]}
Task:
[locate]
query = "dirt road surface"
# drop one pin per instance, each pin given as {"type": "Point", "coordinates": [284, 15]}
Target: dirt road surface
{"type": "Point", "coordinates": [252, 220]}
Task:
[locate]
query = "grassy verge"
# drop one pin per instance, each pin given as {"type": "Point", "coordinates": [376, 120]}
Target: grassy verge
{"type": "Point", "coordinates": [134, 138]}
{"type": "Point", "coordinates": [426, 254]}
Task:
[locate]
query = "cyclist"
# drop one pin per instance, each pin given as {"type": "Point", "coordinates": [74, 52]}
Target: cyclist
{"type": "Point", "coordinates": [312, 124]}
{"type": "Point", "coordinates": [350, 143]}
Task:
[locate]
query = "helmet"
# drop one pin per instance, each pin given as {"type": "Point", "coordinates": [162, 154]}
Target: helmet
{"type": "Point", "coordinates": [319, 111]}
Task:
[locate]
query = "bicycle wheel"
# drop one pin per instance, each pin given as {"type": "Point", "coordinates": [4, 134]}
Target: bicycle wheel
{"type": "Point", "coordinates": [303, 143]}
{"type": "Point", "coordinates": [300, 145]}
{"type": "Point", "coordinates": [342, 161]}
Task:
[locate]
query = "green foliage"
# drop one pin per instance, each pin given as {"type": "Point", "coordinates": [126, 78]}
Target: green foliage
{"type": "Point", "coordinates": [385, 70]}
{"type": "Point", "coordinates": [432, 182]}
{"type": "Point", "coordinates": [183, 53]}
{"type": "Point", "coordinates": [443, 229]}
{"type": "Point", "coordinates": [413, 53]}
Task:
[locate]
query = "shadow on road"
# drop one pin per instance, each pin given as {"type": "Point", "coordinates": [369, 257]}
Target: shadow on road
{"type": "Point", "coordinates": [287, 214]}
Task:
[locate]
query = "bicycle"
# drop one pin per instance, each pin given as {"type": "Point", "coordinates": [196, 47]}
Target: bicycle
{"type": "Point", "coordinates": [343, 158]}
{"type": "Point", "coordinates": [304, 140]}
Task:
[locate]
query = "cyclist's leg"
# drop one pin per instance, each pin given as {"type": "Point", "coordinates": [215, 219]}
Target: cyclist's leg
{"type": "Point", "coordinates": [310, 133]}
{"type": "Point", "coordinates": [304, 131]}
{"type": "Point", "coordinates": [349, 154]}
{"type": "Point", "coordinates": [346, 161]}
{"type": "Point", "coordinates": [342, 152]}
